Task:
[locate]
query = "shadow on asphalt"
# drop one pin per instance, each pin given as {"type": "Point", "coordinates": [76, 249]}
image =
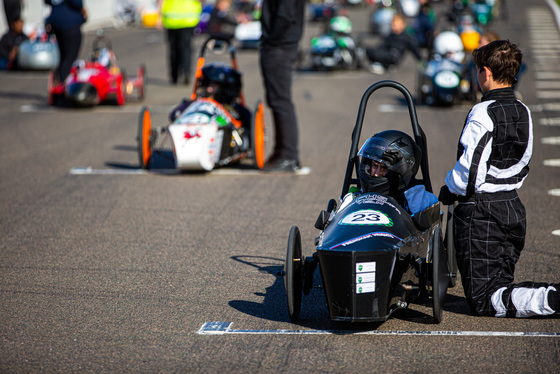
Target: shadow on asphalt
{"type": "Point", "coordinates": [314, 313]}
{"type": "Point", "coordinates": [24, 96]}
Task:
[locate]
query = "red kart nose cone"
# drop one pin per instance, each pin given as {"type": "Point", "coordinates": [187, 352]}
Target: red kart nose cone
{"type": "Point", "coordinates": [82, 94]}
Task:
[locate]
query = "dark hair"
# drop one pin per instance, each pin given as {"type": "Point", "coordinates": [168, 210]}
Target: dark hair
{"type": "Point", "coordinates": [502, 58]}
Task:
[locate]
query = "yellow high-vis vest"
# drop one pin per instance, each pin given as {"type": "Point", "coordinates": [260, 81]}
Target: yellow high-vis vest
{"type": "Point", "coordinates": [178, 14]}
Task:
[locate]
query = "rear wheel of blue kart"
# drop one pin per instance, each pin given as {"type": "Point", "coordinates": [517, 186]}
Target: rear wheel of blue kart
{"type": "Point", "coordinates": [450, 245]}
{"type": "Point", "coordinates": [440, 275]}
{"type": "Point", "coordinates": [293, 273]}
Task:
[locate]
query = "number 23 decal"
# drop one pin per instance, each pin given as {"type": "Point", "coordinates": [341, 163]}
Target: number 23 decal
{"type": "Point", "coordinates": [366, 217]}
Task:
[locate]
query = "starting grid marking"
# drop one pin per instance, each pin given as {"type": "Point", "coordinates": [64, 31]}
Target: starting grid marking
{"type": "Point", "coordinates": [546, 52]}
{"type": "Point", "coordinates": [223, 328]}
{"type": "Point", "coordinates": [552, 140]}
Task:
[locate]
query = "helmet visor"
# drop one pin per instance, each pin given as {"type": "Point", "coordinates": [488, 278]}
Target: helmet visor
{"type": "Point", "coordinates": [374, 148]}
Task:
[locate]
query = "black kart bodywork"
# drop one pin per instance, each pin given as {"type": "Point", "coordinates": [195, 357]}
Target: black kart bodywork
{"type": "Point", "coordinates": [374, 257]}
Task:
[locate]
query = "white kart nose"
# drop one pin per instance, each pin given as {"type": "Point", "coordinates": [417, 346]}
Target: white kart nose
{"type": "Point", "coordinates": [196, 146]}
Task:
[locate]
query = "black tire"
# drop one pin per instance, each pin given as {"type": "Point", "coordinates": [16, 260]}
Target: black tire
{"type": "Point", "coordinates": [440, 275]}
{"type": "Point", "coordinates": [293, 274]}
{"type": "Point", "coordinates": [144, 138]}
{"type": "Point", "coordinates": [450, 248]}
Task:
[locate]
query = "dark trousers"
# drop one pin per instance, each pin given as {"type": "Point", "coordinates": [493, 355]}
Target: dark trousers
{"type": "Point", "coordinates": [12, 9]}
{"type": "Point", "coordinates": [69, 42]}
{"type": "Point", "coordinates": [385, 57]}
{"type": "Point", "coordinates": [489, 236]}
{"type": "Point", "coordinates": [180, 52]}
{"type": "Point", "coordinates": [277, 68]}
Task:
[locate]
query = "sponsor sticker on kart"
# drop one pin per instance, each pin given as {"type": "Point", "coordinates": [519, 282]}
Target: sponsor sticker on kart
{"type": "Point", "coordinates": [375, 199]}
{"type": "Point", "coordinates": [365, 277]}
{"type": "Point", "coordinates": [365, 267]}
{"type": "Point", "coordinates": [365, 287]}
{"type": "Point", "coordinates": [366, 217]}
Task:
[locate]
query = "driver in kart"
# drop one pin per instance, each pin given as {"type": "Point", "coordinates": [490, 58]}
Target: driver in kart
{"type": "Point", "coordinates": [102, 56]}
{"type": "Point", "coordinates": [221, 85]}
{"type": "Point", "coordinates": [388, 165]}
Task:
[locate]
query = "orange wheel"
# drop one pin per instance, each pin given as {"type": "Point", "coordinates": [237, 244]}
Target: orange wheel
{"type": "Point", "coordinates": [144, 138]}
{"type": "Point", "coordinates": [258, 135]}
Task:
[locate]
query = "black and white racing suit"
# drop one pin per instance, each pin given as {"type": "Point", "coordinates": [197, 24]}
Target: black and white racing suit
{"type": "Point", "coordinates": [490, 221]}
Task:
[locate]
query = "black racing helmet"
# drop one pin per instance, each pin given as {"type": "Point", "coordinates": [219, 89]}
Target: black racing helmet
{"type": "Point", "coordinates": [395, 142]}
{"type": "Point", "coordinates": [227, 80]}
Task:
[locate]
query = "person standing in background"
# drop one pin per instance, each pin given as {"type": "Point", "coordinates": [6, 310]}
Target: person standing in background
{"type": "Point", "coordinates": [65, 22]}
{"type": "Point", "coordinates": [282, 28]}
{"type": "Point", "coordinates": [179, 18]}
{"type": "Point", "coordinates": [12, 9]}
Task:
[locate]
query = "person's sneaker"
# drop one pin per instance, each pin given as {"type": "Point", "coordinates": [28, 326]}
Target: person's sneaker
{"type": "Point", "coordinates": [377, 68]}
{"type": "Point", "coordinates": [279, 164]}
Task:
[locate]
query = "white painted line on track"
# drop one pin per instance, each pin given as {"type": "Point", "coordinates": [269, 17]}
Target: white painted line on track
{"type": "Point", "coordinates": [550, 122]}
{"type": "Point", "coordinates": [545, 57]}
{"type": "Point", "coordinates": [555, 162]}
{"type": "Point", "coordinates": [547, 84]}
{"type": "Point", "coordinates": [554, 192]}
{"type": "Point", "coordinates": [539, 40]}
{"type": "Point", "coordinates": [552, 140]}
{"type": "Point", "coordinates": [305, 170]}
{"type": "Point", "coordinates": [547, 75]}
{"type": "Point", "coordinates": [548, 94]}
{"type": "Point", "coordinates": [90, 171]}
{"type": "Point", "coordinates": [222, 328]}
{"type": "Point", "coordinates": [34, 108]}
{"type": "Point", "coordinates": [546, 52]}
{"type": "Point", "coordinates": [556, 232]}
{"type": "Point", "coordinates": [545, 47]}
{"type": "Point", "coordinates": [550, 107]}
{"type": "Point", "coordinates": [535, 30]}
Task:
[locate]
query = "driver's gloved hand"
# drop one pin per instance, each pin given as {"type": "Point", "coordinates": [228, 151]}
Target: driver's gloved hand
{"type": "Point", "coordinates": [446, 197]}
{"type": "Point", "coordinates": [396, 163]}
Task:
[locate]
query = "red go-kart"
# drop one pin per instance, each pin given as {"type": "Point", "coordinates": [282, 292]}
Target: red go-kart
{"type": "Point", "coordinates": [96, 80]}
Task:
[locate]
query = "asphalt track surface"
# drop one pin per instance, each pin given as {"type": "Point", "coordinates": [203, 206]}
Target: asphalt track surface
{"type": "Point", "coordinates": [119, 271]}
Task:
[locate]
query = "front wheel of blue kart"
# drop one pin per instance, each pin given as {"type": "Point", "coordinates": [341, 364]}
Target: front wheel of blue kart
{"type": "Point", "coordinates": [440, 275]}
{"type": "Point", "coordinates": [293, 273]}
